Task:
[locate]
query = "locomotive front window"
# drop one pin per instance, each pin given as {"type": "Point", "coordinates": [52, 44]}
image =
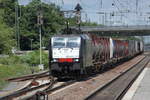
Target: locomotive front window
{"type": "Point", "coordinates": [59, 44]}
{"type": "Point", "coordinates": [66, 42]}
{"type": "Point", "coordinates": [73, 42]}
{"type": "Point", "coordinates": [59, 39]}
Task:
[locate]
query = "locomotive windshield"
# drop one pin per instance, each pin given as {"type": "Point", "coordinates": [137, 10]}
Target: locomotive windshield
{"type": "Point", "coordinates": [66, 42]}
{"type": "Point", "coordinates": [58, 42]}
{"type": "Point", "coordinates": [73, 42]}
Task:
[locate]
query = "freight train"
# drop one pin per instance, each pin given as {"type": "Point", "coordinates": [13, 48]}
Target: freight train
{"type": "Point", "coordinates": [78, 54]}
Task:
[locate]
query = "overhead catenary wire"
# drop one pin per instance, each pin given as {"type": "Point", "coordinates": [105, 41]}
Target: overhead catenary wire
{"type": "Point", "coordinates": [120, 11]}
{"type": "Point", "coordinates": [126, 8]}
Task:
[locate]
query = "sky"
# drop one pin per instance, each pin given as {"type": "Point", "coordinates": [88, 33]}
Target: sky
{"type": "Point", "coordinates": [126, 12]}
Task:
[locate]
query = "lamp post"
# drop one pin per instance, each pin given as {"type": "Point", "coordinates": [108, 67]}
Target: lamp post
{"type": "Point", "coordinates": [31, 43]}
{"type": "Point", "coordinates": [17, 24]}
{"type": "Point", "coordinates": [40, 31]}
{"type": "Point", "coordinates": [40, 23]}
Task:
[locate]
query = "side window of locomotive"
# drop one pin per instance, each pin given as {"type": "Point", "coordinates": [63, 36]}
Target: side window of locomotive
{"type": "Point", "coordinates": [73, 43]}
{"type": "Point", "coordinates": [58, 42]}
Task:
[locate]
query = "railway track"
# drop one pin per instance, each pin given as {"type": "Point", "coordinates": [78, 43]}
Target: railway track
{"type": "Point", "coordinates": [32, 88]}
{"type": "Point", "coordinates": [44, 94]}
{"type": "Point", "coordinates": [29, 83]}
{"type": "Point", "coordinates": [36, 92]}
{"type": "Point", "coordinates": [29, 77]}
{"type": "Point", "coordinates": [116, 88]}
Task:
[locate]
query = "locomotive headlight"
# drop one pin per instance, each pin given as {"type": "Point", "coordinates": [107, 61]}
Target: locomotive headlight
{"type": "Point", "coordinates": [76, 60]}
{"type": "Point", "coordinates": [55, 60]}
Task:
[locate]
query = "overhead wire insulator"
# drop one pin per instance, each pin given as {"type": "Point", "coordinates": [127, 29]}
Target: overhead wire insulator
{"type": "Point", "coordinates": [113, 4]}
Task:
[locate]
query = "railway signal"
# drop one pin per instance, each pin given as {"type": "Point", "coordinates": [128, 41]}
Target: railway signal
{"type": "Point", "coordinates": [78, 9]}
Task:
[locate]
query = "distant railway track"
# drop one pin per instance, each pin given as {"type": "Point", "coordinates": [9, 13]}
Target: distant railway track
{"type": "Point", "coordinates": [116, 88]}
{"type": "Point", "coordinates": [28, 77]}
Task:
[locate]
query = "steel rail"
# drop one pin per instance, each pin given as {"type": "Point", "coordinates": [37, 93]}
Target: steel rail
{"type": "Point", "coordinates": [27, 77]}
{"type": "Point", "coordinates": [49, 90]}
{"type": "Point", "coordinates": [26, 90]}
{"type": "Point", "coordinates": [100, 89]}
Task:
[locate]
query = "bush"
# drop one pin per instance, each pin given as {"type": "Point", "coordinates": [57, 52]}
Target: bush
{"type": "Point", "coordinates": [11, 60]}
{"type": "Point", "coordinates": [9, 71]}
{"type": "Point", "coordinates": [33, 58]}
{"type": "Point", "coordinates": [20, 65]}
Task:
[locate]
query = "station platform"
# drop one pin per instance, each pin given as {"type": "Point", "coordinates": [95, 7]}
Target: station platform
{"type": "Point", "coordinates": [140, 89]}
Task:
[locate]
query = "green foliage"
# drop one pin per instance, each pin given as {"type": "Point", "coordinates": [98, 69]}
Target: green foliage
{"type": "Point", "coordinates": [11, 60]}
{"type": "Point", "coordinates": [6, 37]}
{"type": "Point", "coordinates": [6, 40]}
{"type": "Point", "coordinates": [33, 58]}
{"type": "Point", "coordinates": [89, 24]}
{"type": "Point", "coordinates": [53, 21]}
{"type": "Point", "coordinates": [14, 66]}
{"type": "Point", "coordinates": [73, 22]}
{"type": "Point", "coordinates": [9, 12]}
{"type": "Point", "coordinates": [9, 71]}
{"type": "Point", "coordinates": [29, 29]}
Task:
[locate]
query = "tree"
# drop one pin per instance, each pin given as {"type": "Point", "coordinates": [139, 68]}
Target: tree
{"type": "Point", "coordinates": [29, 29]}
{"type": "Point", "coordinates": [6, 37]}
{"type": "Point", "coordinates": [53, 22]}
{"type": "Point", "coordinates": [9, 11]}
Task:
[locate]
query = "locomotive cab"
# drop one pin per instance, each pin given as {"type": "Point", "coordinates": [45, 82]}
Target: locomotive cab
{"type": "Point", "coordinates": [65, 54]}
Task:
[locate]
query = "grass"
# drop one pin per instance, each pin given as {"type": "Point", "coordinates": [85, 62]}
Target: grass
{"type": "Point", "coordinates": [14, 66]}
{"type": "Point", "coordinates": [9, 71]}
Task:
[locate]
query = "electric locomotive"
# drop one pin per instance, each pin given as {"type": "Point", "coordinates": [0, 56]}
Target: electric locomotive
{"type": "Point", "coordinates": [80, 53]}
{"type": "Point", "coordinates": [66, 54]}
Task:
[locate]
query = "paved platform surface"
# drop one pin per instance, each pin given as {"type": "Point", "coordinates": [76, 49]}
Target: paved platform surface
{"type": "Point", "coordinates": [140, 90]}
